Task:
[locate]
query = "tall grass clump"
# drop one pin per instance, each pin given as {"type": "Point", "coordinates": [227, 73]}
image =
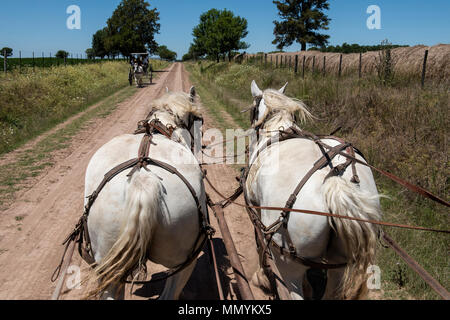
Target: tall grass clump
{"type": "Point", "coordinates": [399, 127]}
{"type": "Point", "coordinates": [34, 102]}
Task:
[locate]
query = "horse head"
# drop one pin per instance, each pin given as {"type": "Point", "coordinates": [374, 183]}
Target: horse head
{"type": "Point", "coordinates": [179, 108]}
{"type": "Point", "coordinates": [274, 106]}
{"type": "Point", "coordinates": [137, 68]}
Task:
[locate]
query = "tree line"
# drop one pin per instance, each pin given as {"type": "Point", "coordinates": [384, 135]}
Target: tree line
{"type": "Point", "coordinates": [219, 34]}
{"type": "Point", "coordinates": [131, 29]}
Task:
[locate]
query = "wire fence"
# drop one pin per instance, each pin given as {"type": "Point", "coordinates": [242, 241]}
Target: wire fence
{"type": "Point", "coordinates": [337, 64]}
{"type": "Point", "coordinates": [34, 61]}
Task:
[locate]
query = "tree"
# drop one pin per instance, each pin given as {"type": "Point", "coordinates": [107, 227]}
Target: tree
{"type": "Point", "coordinates": [9, 52]}
{"type": "Point", "coordinates": [301, 20]}
{"type": "Point", "coordinates": [61, 54]}
{"type": "Point", "coordinates": [132, 28]}
{"type": "Point", "coordinates": [164, 53]}
{"type": "Point", "coordinates": [98, 43]}
{"type": "Point", "coordinates": [219, 33]}
{"type": "Point", "coordinates": [90, 53]}
{"type": "Point", "coordinates": [193, 53]}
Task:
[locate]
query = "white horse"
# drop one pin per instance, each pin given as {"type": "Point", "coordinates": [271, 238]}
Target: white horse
{"type": "Point", "coordinates": [151, 215]}
{"type": "Point", "coordinates": [138, 71]}
{"type": "Point", "coordinates": [274, 175]}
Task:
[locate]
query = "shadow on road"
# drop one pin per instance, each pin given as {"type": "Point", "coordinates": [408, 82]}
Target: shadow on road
{"type": "Point", "coordinates": [202, 284]}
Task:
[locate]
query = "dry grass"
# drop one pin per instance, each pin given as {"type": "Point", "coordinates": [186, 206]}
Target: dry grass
{"type": "Point", "coordinates": [409, 61]}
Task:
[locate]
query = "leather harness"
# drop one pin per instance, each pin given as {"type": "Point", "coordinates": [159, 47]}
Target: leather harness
{"type": "Point", "coordinates": [80, 234]}
{"type": "Point", "coordinates": [282, 222]}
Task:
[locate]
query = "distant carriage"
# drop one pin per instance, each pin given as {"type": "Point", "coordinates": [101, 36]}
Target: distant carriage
{"type": "Point", "coordinates": [140, 69]}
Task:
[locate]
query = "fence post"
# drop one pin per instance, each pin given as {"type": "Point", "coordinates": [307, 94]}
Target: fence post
{"type": "Point", "coordinates": [324, 65]}
{"type": "Point", "coordinates": [360, 64]}
{"type": "Point", "coordinates": [281, 62]}
{"type": "Point", "coordinates": [271, 61]}
{"type": "Point", "coordinates": [296, 64]}
{"type": "Point", "coordinates": [265, 60]}
{"type": "Point", "coordinates": [290, 63]}
{"type": "Point", "coordinates": [4, 61]}
{"type": "Point", "coordinates": [314, 64]}
{"type": "Point", "coordinates": [424, 68]}
{"type": "Point", "coordinates": [276, 65]}
{"type": "Point", "coordinates": [340, 66]}
{"type": "Point", "coordinates": [304, 63]}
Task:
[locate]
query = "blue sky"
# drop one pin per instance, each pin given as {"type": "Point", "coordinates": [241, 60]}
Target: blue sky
{"type": "Point", "coordinates": [40, 26]}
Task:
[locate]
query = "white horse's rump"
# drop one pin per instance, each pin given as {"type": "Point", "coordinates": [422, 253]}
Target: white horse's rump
{"type": "Point", "coordinates": [313, 237]}
{"type": "Point", "coordinates": [151, 215]}
{"type": "Point", "coordinates": [138, 72]}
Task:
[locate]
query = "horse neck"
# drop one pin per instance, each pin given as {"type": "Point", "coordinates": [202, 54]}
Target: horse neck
{"type": "Point", "coordinates": [269, 131]}
{"type": "Point", "coordinates": [272, 126]}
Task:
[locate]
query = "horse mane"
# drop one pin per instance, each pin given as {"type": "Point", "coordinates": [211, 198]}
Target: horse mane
{"type": "Point", "coordinates": [177, 103]}
{"type": "Point", "coordinates": [281, 109]}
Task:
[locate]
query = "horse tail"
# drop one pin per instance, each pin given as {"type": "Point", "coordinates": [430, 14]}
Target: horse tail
{"type": "Point", "coordinates": [129, 252]}
{"type": "Point", "coordinates": [360, 239]}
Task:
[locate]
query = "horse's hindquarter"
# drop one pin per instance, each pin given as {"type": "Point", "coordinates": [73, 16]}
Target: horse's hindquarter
{"type": "Point", "coordinates": [274, 177]}
{"type": "Point", "coordinates": [178, 222]}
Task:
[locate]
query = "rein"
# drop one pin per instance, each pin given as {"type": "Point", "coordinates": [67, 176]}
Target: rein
{"type": "Point", "coordinates": [229, 200]}
{"type": "Point", "coordinates": [325, 160]}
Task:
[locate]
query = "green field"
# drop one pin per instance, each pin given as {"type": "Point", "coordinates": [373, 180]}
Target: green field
{"type": "Point", "coordinates": [33, 102]}
{"type": "Point", "coordinates": [399, 126]}
{"type": "Point", "coordinates": [14, 64]}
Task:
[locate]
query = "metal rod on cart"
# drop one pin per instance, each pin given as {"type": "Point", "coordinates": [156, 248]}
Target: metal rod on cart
{"type": "Point", "coordinates": [242, 282]}
{"type": "Point", "coordinates": [436, 286]}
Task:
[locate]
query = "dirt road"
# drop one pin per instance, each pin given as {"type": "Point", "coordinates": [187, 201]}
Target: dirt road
{"type": "Point", "coordinates": [52, 205]}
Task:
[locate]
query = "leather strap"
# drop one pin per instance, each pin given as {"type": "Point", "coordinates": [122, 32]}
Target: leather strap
{"type": "Point", "coordinates": [81, 233]}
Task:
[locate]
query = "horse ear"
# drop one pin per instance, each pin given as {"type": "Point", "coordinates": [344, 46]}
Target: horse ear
{"type": "Point", "coordinates": [167, 89]}
{"type": "Point", "coordinates": [282, 90]}
{"type": "Point", "coordinates": [256, 92]}
{"type": "Point", "coordinates": [193, 93]}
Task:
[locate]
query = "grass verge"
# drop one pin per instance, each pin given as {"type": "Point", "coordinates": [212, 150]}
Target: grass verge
{"type": "Point", "coordinates": [29, 163]}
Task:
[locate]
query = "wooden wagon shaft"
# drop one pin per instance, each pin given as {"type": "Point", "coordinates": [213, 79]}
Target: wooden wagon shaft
{"type": "Point", "coordinates": [242, 282]}
{"type": "Point", "coordinates": [216, 271]}
{"type": "Point", "coordinates": [436, 286]}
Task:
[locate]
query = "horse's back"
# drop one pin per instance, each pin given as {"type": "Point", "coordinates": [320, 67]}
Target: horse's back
{"type": "Point", "coordinates": [178, 224]}
{"type": "Point", "coordinates": [283, 165]}
{"type": "Point", "coordinates": [276, 174]}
